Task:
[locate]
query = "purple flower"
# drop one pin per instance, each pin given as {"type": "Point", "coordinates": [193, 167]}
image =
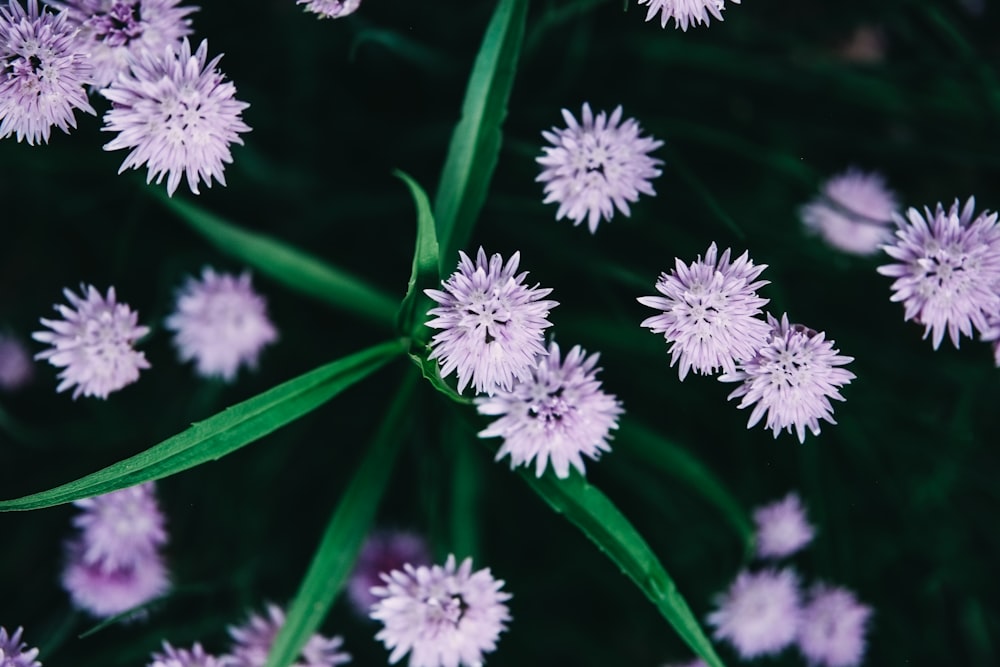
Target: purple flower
{"type": "Point", "coordinates": [992, 335]}
{"type": "Point", "coordinates": [685, 12]}
{"type": "Point", "coordinates": [330, 9]}
{"type": "Point", "coordinates": [833, 627]}
{"type": "Point", "coordinates": [14, 652]}
{"type": "Point", "coordinates": [949, 269]}
{"type": "Point", "coordinates": [121, 528]}
{"type": "Point", "coordinates": [853, 212]}
{"type": "Point", "coordinates": [597, 165]}
{"type": "Point", "coordinates": [43, 75]}
{"type": "Point", "coordinates": [177, 115]}
{"type": "Point", "coordinates": [221, 323]}
{"type": "Point", "coordinates": [792, 379]}
{"type": "Point", "coordinates": [16, 369]}
{"type": "Point", "coordinates": [179, 657]}
{"type": "Point", "coordinates": [112, 31]}
{"type": "Point", "coordinates": [254, 639]}
{"type": "Point", "coordinates": [114, 563]}
{"type": "Point", "coordinates": [760, 613]}
{"type": "Point", "coordinates": [383, 551]}
{"type": "Point", "coordinates": [710, 312]}
{"type": "Point", "coordinates": [782, 528]}
{"type": "Point", "coordinates": [93, 342]}
{"type": "Point", "coordinates": [556, 415]}
{"type": "Point", "coordinates": [491, 323]}
{"type": "Point", "coordinates": [441, 616]}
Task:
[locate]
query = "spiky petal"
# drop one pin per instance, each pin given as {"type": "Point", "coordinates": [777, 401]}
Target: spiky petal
{"type": "Point", "coordinates": [14, 652]}
{"type": "Point", "coordinates": [253, 641]}
{"type": "Point", "coordinates": [330, 9]}
{"type": "Point", "coordinates": [182, 657]}
{"type": "Point", "coordinates": [383, 551]}
{"type": "Point", "coordinates": [685, 12]}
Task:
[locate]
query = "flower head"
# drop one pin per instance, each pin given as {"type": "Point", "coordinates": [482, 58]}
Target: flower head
{"type": "Point", "coordinates": [93, 342]}
{"type": "Point", "coordinates": [16, 369]}
{"type": "Point", "coordinates": [598, 165]}
{"type": "Point", "coordinates": [853, 212]}
{"type": "Point", "coordinates": [760, 613]}
{"type": "Point", "coordinates": [177, 114]}
{"type": "Point", "coordinates": [14, 652]}
{"type": "Point", "coordinates": [442, 616]}
{"type": "Point", "coordinates": [121, 528]}
{"type": "Point", "coordinates": [383, 551]}
{"type": "Point", "coordinates": [557, 415]}
{"type": "Point", "coordinates": [833, 627]}
{"type": "Point", "coordinates": [180, 657]}
{"type": "Point", "coordinates": [782, 527]}
{"type": "Point", "coordinates": [948, 270]}
{"type": "Point", "coordinates": [330, 9]}
{"type": "Point", "coordinates": [710, 312]}
{"type": "Point", "coordinates": [791, 379]}
{"type": "Point", "coordinates": [221, 323]}
{"type": "Point", "coordinates": [491, 323]}
{"type": "Point", "coordinates": [43, 74]}
{"type": "Point", "coordinates": [254, 639]}
{"type": "Point", "coordinates": [685, 12]}
{"type": "Point", "coordinates": [112, 31]}
{"type": "Point", "coordinates": [104, 591]}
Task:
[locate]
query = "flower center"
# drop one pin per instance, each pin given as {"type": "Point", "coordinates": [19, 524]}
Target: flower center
{"type": "Point", "coordinates": [120, 25]}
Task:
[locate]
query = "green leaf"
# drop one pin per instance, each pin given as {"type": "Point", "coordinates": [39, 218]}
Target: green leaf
{"type": "Point", "coordinates": [222, 433]}
{"type": "Point", "coordinates": [413, 311]}
{"type": "Point", "coordinates": [674, 460]}
{"type": "Point", "coordinates": [593, 513]}
{"type": "Point", "coordinates": [475, 143]}
{"type": "Point", "coordinates": [290, 266]}
{"type": "Point", "coordinates": [350, 523]}
{"type": "Point", "coordinates": [429, 369]}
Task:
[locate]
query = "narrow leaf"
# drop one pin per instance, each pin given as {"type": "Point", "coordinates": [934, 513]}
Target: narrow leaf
{"type": "Point", "coordinates": [593, 513]}
{"type": "Point", "coordinates": [345, 533]}
{"type": "Point", "coordinates": [290, 266]}
{"type": "Point", "coordinates": [424, 275]}
{"type": "Point", "coordinates": [475, 143]}
{"type": "Point", "coordinates": [674, 460]}
{"type": "Point", "coordinates": [429, 369]}
{"type": "Point", "coordinates": [222, 433]}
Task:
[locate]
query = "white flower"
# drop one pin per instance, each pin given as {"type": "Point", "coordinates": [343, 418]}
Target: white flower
{"type": "Point", "coordinates": [685, 12]}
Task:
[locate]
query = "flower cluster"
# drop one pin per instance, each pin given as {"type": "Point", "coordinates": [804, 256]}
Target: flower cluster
{"type": "Point", "coordinates": [597, 165]}
{"type": "Point", "coordinates": [710, 315]}
{"type": "Point", "coordinates": [685, 12]}
{"type": "Point", "coordinates": [93, 343]}
{"type": "Point", "coordinates": [115, 562]}
{"type": "Point", "coordinates": [947, 270]}
{"type": "Point", "coordinates": [853, 212]}
{"type": "Point", "coordinates": [442, 616]}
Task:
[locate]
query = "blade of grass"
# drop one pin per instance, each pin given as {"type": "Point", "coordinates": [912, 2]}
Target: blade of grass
{"type": "Point", "coordinates": [345, 533]}
{"type": "Point", "coordinates": [222, 433]}
{"type": "Point", "coordinates": [475, 143]}
{"type": "Point", "coordinates": [288, 265]}
{"type": "Point", "coordinates": [594, 514]}
{"type": "Point", "coordinates": [413, 310]}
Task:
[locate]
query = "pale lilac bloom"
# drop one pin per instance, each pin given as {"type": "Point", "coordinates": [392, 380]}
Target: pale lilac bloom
{"type": "Point", "coordinates": [442, 616]}
{"type": "Point", "coordinates": [782, 527]}
{"type": "Point", "coordinates": [14, 652]}
{"type": "Point", "coordinates": [330, 9]}
{"type": "Point", "coordinates": [254, 639]}
{"type": "Point", "coordinates": [760, 613]}
{"type": "Point", "coordinates": [383, 551]}
{"type": "Point", "coordinates": [710, 312]}
{"type": "Point", "coordinates": [597, 165]}
{"type": "Point", "coordinates": [121, 528]}
{"type": "Point", "coordinates": [948, 269]}
{"type": "Point", "coordinates": [113, 31]}
{"type": "Point", "coordinates": [491, 323]}
{"type": "Point", "coordinates": [685, 12]}
{"type": "Point", "coordinates": [992, 336]}
{"type": "Point", "coordinates": [16, 369]}
{"type": "Point", "coordinates": [791, 379]}
{"type": "Point", "coordinates": [93, 343]}
{"type": "Point", "coordinates": [181, 657]}
{"type": "Point", "coordinates": [43, 74]}
{"type": "Point", "coordinates": [105, 592]}
{"type": "Point", "coordinates": [221, 324]}
{"type": "Point", "coordinates": [558, 415]}
{"type": "Point", "coordinates": [834, 623]}
{"type": "Point", "coordinates": [853, 212]}
{"type": "Point", "coordinates": [177, 114]}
